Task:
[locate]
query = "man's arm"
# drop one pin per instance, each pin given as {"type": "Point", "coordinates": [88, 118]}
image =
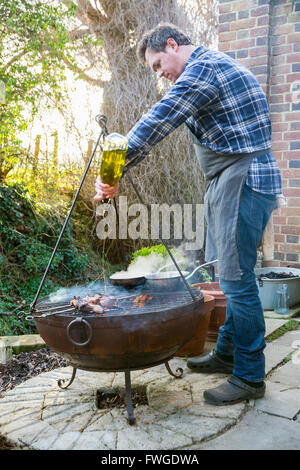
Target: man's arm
{"type": "Point", "coordinates": [194, 89]}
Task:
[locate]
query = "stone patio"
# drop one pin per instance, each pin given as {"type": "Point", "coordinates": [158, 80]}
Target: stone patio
{"type": "Point", "coordinates": [39, 415]}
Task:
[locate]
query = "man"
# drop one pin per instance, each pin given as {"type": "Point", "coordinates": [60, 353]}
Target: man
{"type": "Point", "coordinates": [227, 116]}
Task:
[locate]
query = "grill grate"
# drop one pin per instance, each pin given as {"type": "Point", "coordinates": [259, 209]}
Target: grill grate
{"type": "Point", "coordinates": [141, 302]}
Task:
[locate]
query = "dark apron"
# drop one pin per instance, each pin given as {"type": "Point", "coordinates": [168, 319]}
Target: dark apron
{"type": "Point", "coordinates": [227, 175]}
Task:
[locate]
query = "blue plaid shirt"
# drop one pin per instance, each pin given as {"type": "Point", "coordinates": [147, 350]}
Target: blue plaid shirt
{"type": "Point", "coordinates": [224, 106]}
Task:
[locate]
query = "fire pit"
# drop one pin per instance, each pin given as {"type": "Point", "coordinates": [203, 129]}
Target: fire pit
{"type": "Point", "coordinates": [143, 331]}
{"type": "Point", "coordinates": [139, 331]}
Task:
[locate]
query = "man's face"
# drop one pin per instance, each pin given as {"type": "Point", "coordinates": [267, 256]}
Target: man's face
{"type": "Point", "coordinates": [168, 63]}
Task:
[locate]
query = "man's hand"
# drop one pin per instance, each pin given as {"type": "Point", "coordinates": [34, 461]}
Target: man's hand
{"type": "Point", "coordinates": [104, 191]}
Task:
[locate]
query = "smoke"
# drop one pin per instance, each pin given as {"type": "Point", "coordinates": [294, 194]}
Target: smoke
{"type": "Point", "coordinates": [141, 266]}
{"type": "Point", "coordinates": [65, 294]}
{"type": "Point", "coordinates": [150, 264]}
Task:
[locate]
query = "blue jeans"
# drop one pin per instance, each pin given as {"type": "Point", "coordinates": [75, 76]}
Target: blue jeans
{"type": "Point", "coordinates": [242, 335]}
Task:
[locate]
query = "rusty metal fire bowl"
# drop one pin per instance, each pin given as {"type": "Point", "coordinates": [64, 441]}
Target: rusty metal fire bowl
{"type": "Point", "coordinates": [143, 331]}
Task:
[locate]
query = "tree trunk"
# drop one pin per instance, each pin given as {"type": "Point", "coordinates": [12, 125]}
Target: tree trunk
{"type": "Point", "coordinates": [36, 154]}
{"type": "Point", "coordinates": [55, 149]}
{"type": "Point", "coordinates": [170, 175]}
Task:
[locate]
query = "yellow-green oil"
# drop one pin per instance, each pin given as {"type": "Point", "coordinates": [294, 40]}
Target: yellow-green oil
{"type": "Point", "coordinates": [112, 166]}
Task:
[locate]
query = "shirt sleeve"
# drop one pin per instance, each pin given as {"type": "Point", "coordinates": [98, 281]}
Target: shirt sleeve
{"type": "Point", "coordinates": [193, 90]}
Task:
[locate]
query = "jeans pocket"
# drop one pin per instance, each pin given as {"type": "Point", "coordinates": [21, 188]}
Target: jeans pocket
{"type": "Point", "coordinates": [256, 207]}
{"type": "Point", "coordinates": [254, 213]}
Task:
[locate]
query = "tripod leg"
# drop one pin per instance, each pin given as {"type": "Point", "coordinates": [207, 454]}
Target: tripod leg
{"type": "Point", "coordinates": [179, 371]}
{"type": "Point", "coordinates": [60, 382]}
{"type": "Point", "coordinates": [131, 418]}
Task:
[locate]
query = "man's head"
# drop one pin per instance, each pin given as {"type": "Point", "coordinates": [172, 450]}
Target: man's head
{"type": "Point", "coordinates": [165, 49]}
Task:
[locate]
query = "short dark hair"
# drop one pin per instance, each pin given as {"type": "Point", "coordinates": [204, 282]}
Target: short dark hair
{"type": "Point", "coordinates": [156, 39]}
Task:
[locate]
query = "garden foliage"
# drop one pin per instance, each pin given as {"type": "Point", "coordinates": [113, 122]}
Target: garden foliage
{"type": "Point", "coordinates": [32, 46]}
{"type": "Point", "coordinates": [27, 237]}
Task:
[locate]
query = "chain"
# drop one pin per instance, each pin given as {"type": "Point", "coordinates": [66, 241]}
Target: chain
{"type": "Point", "coordinates": [13, 312]}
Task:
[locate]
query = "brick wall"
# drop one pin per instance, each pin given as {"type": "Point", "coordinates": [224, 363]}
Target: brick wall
{"type": "Point", "coordinates": [264, 35]}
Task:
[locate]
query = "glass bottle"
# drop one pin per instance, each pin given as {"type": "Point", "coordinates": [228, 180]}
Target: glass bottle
{"type": "Point", "coordinates": [281, 300]}
{"type": "Point", "coordinates": [113, 158]}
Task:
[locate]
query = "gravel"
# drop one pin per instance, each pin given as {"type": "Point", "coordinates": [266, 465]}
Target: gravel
{"type": "Point", "coordinates": [26, 365]}
{"type": "Point", "coordinates": [22, 367]}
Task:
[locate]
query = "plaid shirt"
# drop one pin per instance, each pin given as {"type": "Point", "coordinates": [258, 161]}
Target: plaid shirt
{"type": "Point", "coordinates": [224, 106]}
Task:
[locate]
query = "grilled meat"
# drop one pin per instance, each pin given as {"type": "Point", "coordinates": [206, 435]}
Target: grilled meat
{"type": "Point", "coordinates": [94, 303]}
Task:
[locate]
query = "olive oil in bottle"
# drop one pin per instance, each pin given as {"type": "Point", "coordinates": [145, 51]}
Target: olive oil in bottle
{"type": "Point", "coordinates": [113, 158]}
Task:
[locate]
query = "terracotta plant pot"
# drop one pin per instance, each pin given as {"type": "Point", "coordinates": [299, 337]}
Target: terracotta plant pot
{"type": "Point", "coordinates": [195, 345]}
{"type": "Point", "coordinates": [218, 314]}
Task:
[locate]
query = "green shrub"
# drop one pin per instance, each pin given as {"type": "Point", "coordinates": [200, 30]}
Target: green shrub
{"type": "Point", "coordinates": [148, 250]}
{"type": "Point", "coordinates": [203, 275]}
{"type": "Point", "coordinates": [28, 235]}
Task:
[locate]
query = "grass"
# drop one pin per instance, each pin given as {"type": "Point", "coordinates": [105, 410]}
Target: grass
{"type": "Point", "coordinates": [287, 358]}
{"type": "Point", "coordinates": [290, 325]}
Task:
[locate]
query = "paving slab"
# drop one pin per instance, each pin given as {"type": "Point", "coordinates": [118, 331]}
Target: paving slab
{"type": "Point", "coordinates": [290, 338]}
{"type": "Point", "coordinates": [257, 431]}
{"type": "Point", "coordinates": [280, 400]}
{"type": "Point", "coordinates": [10, 345]}
{"type": "Point", "coordinates": [274, 355]}
{"type": "Point", "coordinates": [288, 374]}
{"type": "Point", "coordinates": [273, 325]}
{"type": "Point", "coordinates": [281, 348]}
{"type": "Point", "coordinates": [293, 312]}
{"type": "Point", "coordinates": [39, 415]}
{"type": "Point", "coordinates": [91, 441]}
{"type": "Point", "coordinates": [43, 416]}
